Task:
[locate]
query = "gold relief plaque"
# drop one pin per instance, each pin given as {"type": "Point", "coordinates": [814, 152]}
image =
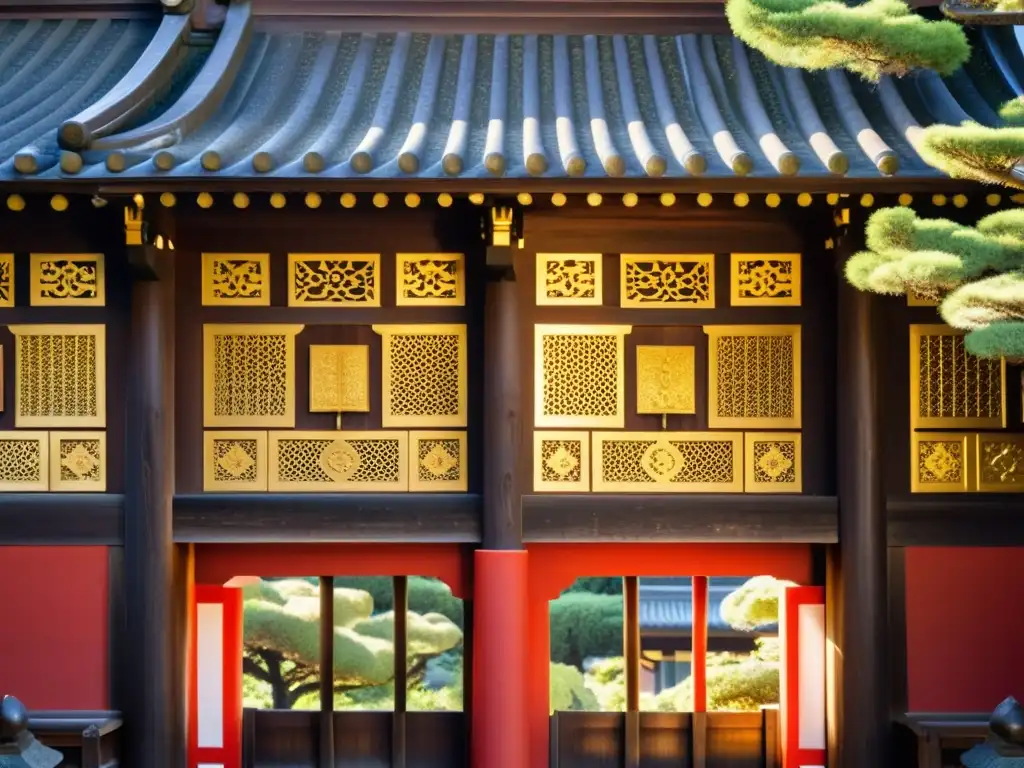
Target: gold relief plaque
{"type": "Point", "coordinates": [423, 372]}
{"type": "Point", "coordinates": [572, 279]}
{"type": "Point", "coordinates": [1000, 463]}
{"type": "Point", "coordinates": [66, 280]}
{"type": "Point", "coordinates": [236, 279]}
{"type": "Point", "coordinates": [249, 375]}
{"type": "Point", "coordinates": [754, 376]}
{"type": "Point", "coordinates": [24, 461]}
{"type": "Point", "coordinates": [561, 461]}
{"type": "Point", "coordinates": [59, 375]}
{"type": "Point", "coordinates": [950, 388]}
{"type": "Point", "coordinates": [430, 279]}
{"type": "Point", "coordinates": [659, 281]}
{"type": "Point", "coordinates": [6, 279]}
{"type": "Point", "coordinates": [339, 378]}
{"type": "Point", "coordinates": [773, 462]}
{"type": "Point", "coordinates": [234, 461]}
{"type": "Point", "coordinates": [765, 279]}
{"type": "Point", "coordinates": [437, 462]}
{"type": "Point", "coordinates": [334, 280]}
{"type": "Point", "coordinates": [665, 380]}
{"type": "Point", "coordinates": [941, 462]}
{"type": "Point", "coordinates": [674, 462]}
{"type": "Point", "coordinates": [78, 461]}
{"type": "Point", "coordinates": [917, 300]}
{"type": "Point", "coordinates": [338, 461]}
{"type": "Point", "coordinates": [579, 376]}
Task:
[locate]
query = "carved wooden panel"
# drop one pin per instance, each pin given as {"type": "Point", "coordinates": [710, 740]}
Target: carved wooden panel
{"type": "Point", "coordinates": [665, 379]}
{"type": "Point", "coordinates": [561, 461]}
{"type": "Point", "coordinates": [334, 280]}
{"type": "Point", "coordinates": [430, 279]}
{"type": "Point", "coordinates": [773, 462]}
{"type": "Point", "coordinates": [6, 279]}
{"type": "Point", "coordinates": [339, 378]}
{"type": "Point", "coordinates": [24, 461]}
{"type": "Point", "coordinates": [1000, 463]}
{"type": "Point", "coordinates": [236, 279]}
{"type": "Point", "coordinates": [438, 462]}
{"type": "Point", "coordinates": [338, 461]}
{"type": "Point", "coordinates": [673, 462]}
{"type": "Point", "coordinates": [235, 461]}
{"type": "Point", "coordinates": [66, 280]}
{"type": "Point", "coordinates": [78, 461]}
{"type": "Point", "coordinates": [765, 279]}
{"type": "Point", "coordinates": [942, 462]}
{"type": "Point", "coordinates": [658, 281]}
{"type": "Point", "coordinates": [569, 279]}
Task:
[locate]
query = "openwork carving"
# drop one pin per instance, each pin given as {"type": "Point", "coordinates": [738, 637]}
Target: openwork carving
{"type": "Point", "coordinates": [665, 380]}
{"type": "Point", "coordinates": [235, 461]}
{"type": "Point", "coordinates": [765, 279]}
{"type": "Point", "coordinates": [437, 461]}
{"type": "Point", "coordinates": [236, 279]}
{"type": "Point", "coordinates": [678, 462]}
{"type": "Point", "coordinates": [579, 375]}
{"type": "Point", "coordinates": [65, 280]}
{"type": "Point", "coordinates": [773, 462]}
{"type": "Point", "coordinates": [60, 375]}
{"type": "Point", "coordinates": [78, 461]}
{"type": "Point", "coordinates": [569, 279]}
{"type": "Point", "coordinates": [24, 461]}
{"type": "Point", "coordinates": [338, 461]}
{"type": "Point", "coordinates": [423, 373]}
{"type": "Point", "coordinates": [249, 375]}
{"type": "Point", "coordinates": [561, 461]}
{"type": "Point", "coordinates": [951, 388]}
{"type": "Point", "coordinates": [941, 462]}
{"type": "Point", "coordinates": [334, 279]}
{"type": "Point", "coordinates": [339, 378]}
{"type": "Point", "coordinates": [753, 376]}
{"type": "Point", "coordinates": [430, 279]}
{"type": "Point", "coordinates": [660, 281]}
{"type": "Point", "coordinates": [1000, 463]}
{"type": "Point", "coordinates": [6, 279]}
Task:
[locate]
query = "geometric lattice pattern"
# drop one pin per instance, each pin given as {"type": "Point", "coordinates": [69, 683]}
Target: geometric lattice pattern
{"type": "Point", "coordinates": [236, 279]}
{"type": "Point", "coordinates": [679, 462]}
{"type": "Point", "coordinates": [765, 279]}
{"type": "Point", "coordinates": [235, 461]}
{"type": "Point", "coordinates": [569, 279]}
{"type": "Point", "coordinates": [437, 461]}
{"type": "Point", "coordinates": [1000, 463]}
{"type": "Point", "coordinates": [660, 282]}
{"type": "Point", "coordinates": [24, 461]}
{"type": "Point", "coordinates": [942, 462]}
{"type": "Point", "coordinates": [772, 462]}
{"type": "Point", "coordinates": [579, 375]}
{"type": "Point", "coordinates": [754, 376]}
{"type": "Point", "coordinates": [6, 279]}
{"type": "Point", "coordinates": [338, 461]}
{"type": "Point", "coordinates": [430, 279]}
{"type": "Point", "coordinates": [339, 378]}
{"type": "Point", "coordinates": [66, 280]}
{"type": "Point", "coordinates": [561, 461]}
{"type": "Point", "coordinates": [334, 280]}
{"type": "Point", "coordinates": [78, 461]}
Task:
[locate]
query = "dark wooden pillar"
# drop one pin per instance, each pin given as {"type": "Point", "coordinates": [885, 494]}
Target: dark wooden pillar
{"type": "Point", "coordinates": [326, 672]}
{"type": "Point", "coordinates": [863, 665]}
{"type": "Point", "coordinates": [631, 657]}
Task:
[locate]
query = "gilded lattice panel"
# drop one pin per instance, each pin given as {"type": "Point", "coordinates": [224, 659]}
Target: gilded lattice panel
{"type": "Point", "coordinates": [236, 279]}
{"type": "Point", "coordinates": [754, 376]}
{"type": "Point", "coordinates": [338, 461]}
{"type": "Point", "coordinates": [579, 376]}
{"type": "Point", "coordinates": [573, 279]}
{"type": "Point", "coordinates": [423, 372]}
{"type": "Point", "coordinates": [561, 461]}
{"type": "Point", "coordinates": [249, 375]}
{"type": "Point", "coordinates": [24, 461]}
{"type": "Point", "coordinates": [437, 462]}
{"type": "Point", "coordinates": [6, 279]}
{"type": "Point", "coordinates": [951, 388]}
{"type": "Point", "coordinates": [430, 279]}
{"type": "Point", "coordinates": [78, 461]}
{"type": "Point", "coordinates": [66, 280]}
{"type": "Point", "coordinates": [235, 461]}
{"type": "Point", "coordinates": [941, 462]}
{"type": "Point", "coordinates": [334, 279]}
{"type": "Point", "coordinates": [665, 379]}
{"type": "Point", "coordinates": [765, 279]}
{"type": "Point", "coordinates": [60, 375]}
{"type": "Point", "coordinates": [339, 378]}
{"type": "Point", "coordinates": [674, 462]}
{"type": "Point", "coordinates": [657, 281]}
{"type": "Point", "coordinates": [1000, 463]}
{"type": "Point", "coordinates": [773, 462]}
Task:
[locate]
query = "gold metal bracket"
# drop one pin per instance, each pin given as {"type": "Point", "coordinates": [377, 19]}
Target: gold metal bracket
{"type": "Point", "coordinates": [503, 233]}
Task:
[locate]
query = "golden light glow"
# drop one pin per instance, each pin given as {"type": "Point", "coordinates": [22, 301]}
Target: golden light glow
{"type": "Point", "coordinates": [594, 199]}
{"type": "Point", "coordinates": [630, 199]}
{"type": "Point", "coordinates": [412, 200]}
{"type": "Point", "coordinates": [867, 200]}
{"type": "Point", "coordinates": [348, 200]}
{"type": "Point", "coordinates": [477, 198]}
{"type": "Point", "coordinates": [993, 200]}
{"type": "Point", "coordinates": [59, 203]}
{"type": "Point", "coordinates": [524, 198]}
{"type": "Point", "coordinates": [939, 200]}
{"type": "Point", "coordinates": [313, 200]}
{"type": "Point", "coordinates": [240, 200]}
{"type": "Point", "coordinates": [772, 200]}
{"type": "Point", "coordinates": [668, 199]}
{"type": "Point", "coordinates": [16, 202]}
{"type": "Point", "coordinates": [380, 200]}
{"type": "Point", "coordinates": [906, 199]}
{"type": "Point", "coordinates": [704, 199]}
{"type": "Point", "coordinates": [277, 200]}
{"type": "Point", "coordinates": [558, 199]}
{"type": "Point", "coordinates": [444, 200]}
{"type": "Point", "coordinates": [804, 199]}
{"type": "Point", "coordinates": [204, 200]}
{"type": "Point", "coordinates": [741, 199]}
{"type": "Point", "coordinates": [960, 200]}
{"type": "Point", "coordinates": [168, 200]}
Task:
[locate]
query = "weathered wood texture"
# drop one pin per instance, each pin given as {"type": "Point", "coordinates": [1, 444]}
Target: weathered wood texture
{"type": "Point", "coordinates": [87, 739]}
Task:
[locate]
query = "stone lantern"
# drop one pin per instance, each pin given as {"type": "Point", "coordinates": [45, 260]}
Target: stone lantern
{"type": "Point", "coordinates": [1004, 747]}
{"type": "Point", "coordinates": [18, 747]}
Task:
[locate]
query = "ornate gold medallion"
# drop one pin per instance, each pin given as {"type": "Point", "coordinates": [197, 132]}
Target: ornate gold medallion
{"type": "Point", "coordinates": [79, 462]}
{"type": "Point", "coordinates": [774, 462]}
{"type": "Point", "coordinates": [943, 464]}
{"type": "Point", "coordinates": [235, 461]}
{"type": "Point", "coordinates": [562, 463]}
{"type": "Point", "coordinates": [438, 462]}
{"type": "Point", "coordinates": [662, 461]}
{"type": "Point", "coordinates": [339, 460]}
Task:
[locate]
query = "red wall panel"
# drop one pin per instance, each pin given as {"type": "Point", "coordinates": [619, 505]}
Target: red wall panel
{"type": "Point", "coordinates": [965, 627]}
{"type": "Point", "coordinates": [54, 642]}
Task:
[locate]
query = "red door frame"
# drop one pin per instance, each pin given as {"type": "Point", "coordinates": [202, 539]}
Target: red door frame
{"type": "Point", "coordinates": [802, 638]}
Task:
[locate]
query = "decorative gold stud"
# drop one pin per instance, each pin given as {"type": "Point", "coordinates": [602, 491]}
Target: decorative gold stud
{"type": "Point", "coordinates": [240, 200]}
{"type": "Point", "coordinates": [939, 200]}
{"type": "Point", "coordinates": [348, 200]}
{"type": "Point", "coordinates": [867, 200]}
{"type": "Point", "coordinates": [59, 203]}
{"type": "Point", "coordinates": [741, 199]}
{"type": "Point", "coordinates": [594, 199]}
{"type": "Point", "coordinates": [313, 200]}
{"type": "Point", "coordinates": [380, 200]}
{"type": "Point", "coordinates": [705, 199]}
{"type": "Point", "coordinates": [558, 199]}
{"type": "Point", "coordinates": [630, 199]}
{"type": "Point", "coordinates": [832, 198]}
{"type": "Point", "coordinates": [960, 200]}
{"type": "Point", "coordinates": [412, 200]}
{"type": "Point", "coordinates": [524, 198]}
{"type": "Point", "coordinates": [667, 199]}
{"type": "Point", "coordinates": [16, 202]}
{"type": "Point", "coordinates": [168, 200]}
{"type": "Point", "coordinates": [444, 200]}
{"type": "Point", "coordinates": [204, 200]}
{"type": "Point", "coordinates": [772, 200]}
{"type": "Point", "coordinates": [278, 200]}
{"type": "Point", "coordinates": [477, 198]}
{"type": "Point", "coordinates": [993, 200]}
{"type": "Point", "coordinates": [905, 199]}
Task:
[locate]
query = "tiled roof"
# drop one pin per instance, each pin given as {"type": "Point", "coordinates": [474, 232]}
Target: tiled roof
{"type": "Point", "coordinates": [669, 606]}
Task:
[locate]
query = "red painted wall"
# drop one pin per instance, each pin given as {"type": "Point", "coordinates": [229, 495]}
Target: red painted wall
{"type": "Point", "coordinates": [965, 627]}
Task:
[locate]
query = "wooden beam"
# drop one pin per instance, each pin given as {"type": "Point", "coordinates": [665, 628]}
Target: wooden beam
{"type": "Point", "coordinates": [956, 520]}
{"type": "Point", "coordinates": [326, 752]}
{"type": "Point", "coordinates": [61, 518]}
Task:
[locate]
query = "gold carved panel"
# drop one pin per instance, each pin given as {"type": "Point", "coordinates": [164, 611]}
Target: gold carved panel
{"type": "Point", "coordinates": [78, 461]}
{"type": "Point", "coordinates": [673, 462]}
{"type": "Point", "coordinates": [573, 279]}
{"type": "Point", "coordinates": [339, 378]}
{"type": "Point", "coordinates": [6, 279]}
{"type": "Point", "coordinates": [235, 461]}
{"type": "Point", "coordinates": [24, 461]}
{"type": "Point", "coordinates": [60, 375]}
{"type": "Point", "coordinates": [1000, 463]}
{"type": "Point", "coordinates": [423, 372]}
{"type": "Point", "coordinates": [66, 280]}
{"type": "Point", "coordinates": [236, 279]}
{"type": "Point", "coordinates": [765, 279]}
{"type": "Point", "coordinates": [334, 280]}
{"type": "Point", "coordinates": [658, 281]}
{"type": "Point", "coordinates": [941, 462]}
{"type": "Point", "coordinates": [579, 377]}
{"type": "Point", "coordinates": [665, 380]}
{"type": "Point", "coordinates": [338, 461]}
{"type": "Point", "coordinates": [561, 461]}
{"type": "Point", "coordinates": [773, 462]}
{"type": "Point", "coordinates": [754, 376]}
{"type": "Point", "coordinates": [437, 462]}
{"type": "Point", "coordinates": [249, 375]}
{"type": "Point", "coordinates": [950, 388]}
{"type": "Point", "coordinates": [430, 280]}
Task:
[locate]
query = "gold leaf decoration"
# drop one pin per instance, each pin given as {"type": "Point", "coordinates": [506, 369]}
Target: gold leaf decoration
{"type": "Point", "coordinates": [66, 280]}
